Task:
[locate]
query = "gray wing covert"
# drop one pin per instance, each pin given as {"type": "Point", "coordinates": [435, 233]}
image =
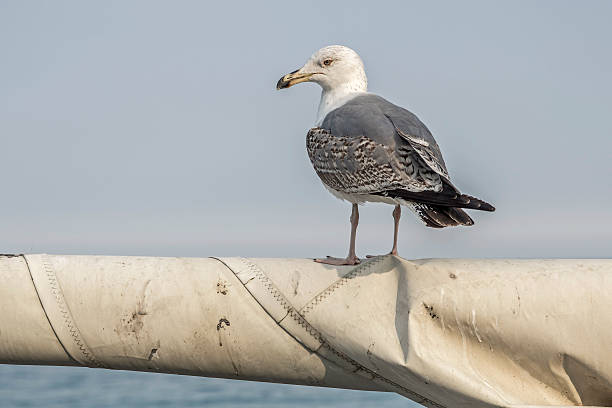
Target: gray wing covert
{"type": "Point", "coordinates": [410, 128]}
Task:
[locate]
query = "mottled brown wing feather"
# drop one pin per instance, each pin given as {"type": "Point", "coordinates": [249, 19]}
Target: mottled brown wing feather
{"type": "Point", "coordinates": [358, 165]}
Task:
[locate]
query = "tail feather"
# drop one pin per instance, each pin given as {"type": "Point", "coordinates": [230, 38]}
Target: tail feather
{"type": "Point", "coordinates": [457, 214]}
{"type": "Point", "coordinates": [440, 216]}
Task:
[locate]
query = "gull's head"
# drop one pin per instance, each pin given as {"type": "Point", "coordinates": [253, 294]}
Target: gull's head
{"type": "Point", "coordinates": [332, 67]}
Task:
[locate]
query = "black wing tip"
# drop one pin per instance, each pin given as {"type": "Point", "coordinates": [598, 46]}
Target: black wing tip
{"type": "Point", "coordinates": [457, 200]}
{"type": "Point", "coordinates": [477, 204]}
{"type": "Point", "coordinates": [487, 207]}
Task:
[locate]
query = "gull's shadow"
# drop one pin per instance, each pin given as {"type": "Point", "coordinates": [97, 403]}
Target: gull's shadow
{"type": "Point", "coordinates": [402, 304]}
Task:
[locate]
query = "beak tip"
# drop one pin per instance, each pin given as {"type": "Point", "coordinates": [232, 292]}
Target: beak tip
{"type": "Point", "coordinates": [281, 84]}
{"type": "Point", "coordinates": [287, 81]}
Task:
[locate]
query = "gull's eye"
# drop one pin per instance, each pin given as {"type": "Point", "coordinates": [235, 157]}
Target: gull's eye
{"type": "Point", "coordinates": [327, 62]}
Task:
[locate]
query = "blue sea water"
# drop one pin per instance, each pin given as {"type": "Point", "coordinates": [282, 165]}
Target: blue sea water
{"type": "Point", "coordinates": [77, 387]}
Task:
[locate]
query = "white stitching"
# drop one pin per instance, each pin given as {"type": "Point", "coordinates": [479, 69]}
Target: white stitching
{"type": "Point", "coordinates": [295, 315]}
{"type": "Point", "coordinates": [340, 282]}
{"type": "Point", "coordinates": [61, 303]}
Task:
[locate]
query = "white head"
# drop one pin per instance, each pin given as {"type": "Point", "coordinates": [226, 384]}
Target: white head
{"type": "Point", "coordinates": [335, 68]}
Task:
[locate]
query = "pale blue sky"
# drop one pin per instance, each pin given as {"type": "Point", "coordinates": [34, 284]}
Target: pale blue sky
{"type": "Point", "coordinates": [154, 128]}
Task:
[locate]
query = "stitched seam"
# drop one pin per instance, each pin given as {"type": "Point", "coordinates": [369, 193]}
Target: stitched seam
{"type": "Point", "coordinates": [267, 283]}
{"type": "Point", "coordinates": [61, 303]}
{"type": "Point", "coordinates": [340, 282]}
{"type": "Point", "coordinates": [298, 318]}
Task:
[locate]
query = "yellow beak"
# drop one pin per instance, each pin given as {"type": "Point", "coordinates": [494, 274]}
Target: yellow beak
{"type": "Point", "coordinates": [291, 79]}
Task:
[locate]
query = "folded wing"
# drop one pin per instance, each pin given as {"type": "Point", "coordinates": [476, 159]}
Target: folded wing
{"type": "Point", "coordinates": [369, 146]}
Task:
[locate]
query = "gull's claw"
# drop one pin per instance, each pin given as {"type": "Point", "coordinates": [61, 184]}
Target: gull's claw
{"type": "Point", "coordinates": [394, 253]}
{"type": "Point", "coordinates": [330, 260]}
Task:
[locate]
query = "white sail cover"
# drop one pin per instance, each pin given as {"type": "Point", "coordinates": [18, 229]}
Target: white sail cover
{"type": "Point", "coordinates": [444, 333]}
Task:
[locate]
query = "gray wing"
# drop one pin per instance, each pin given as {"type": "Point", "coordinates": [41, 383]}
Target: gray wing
{"type": "Point", "coordinates": [359, 165]}
{"type": "Point", "coordinates": [411, 129]}
{"type": "Point", "coordinates": [359, 149]}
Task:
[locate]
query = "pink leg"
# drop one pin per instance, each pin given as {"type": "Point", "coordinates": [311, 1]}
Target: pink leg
{"type": "Point", "coordinates": [397, 213]}
{"type": "Point", "coordinates": [351, 258]}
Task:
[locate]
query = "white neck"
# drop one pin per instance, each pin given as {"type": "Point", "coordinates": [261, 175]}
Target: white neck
{"type": "Point", "coordinates": [333, 98]}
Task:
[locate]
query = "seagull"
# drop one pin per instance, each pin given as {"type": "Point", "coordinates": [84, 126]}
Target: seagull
{"type": "Point", "coordinates": [366, 149]}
